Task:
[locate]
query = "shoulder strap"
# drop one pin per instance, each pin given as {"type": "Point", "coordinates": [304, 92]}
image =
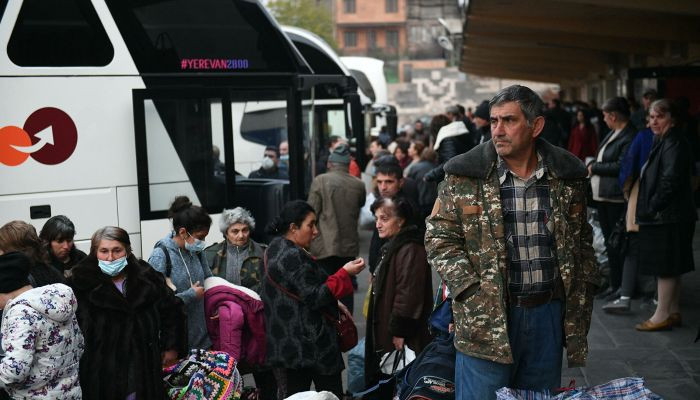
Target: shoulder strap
{"type": "Point", "coordinates": [277, 285]}
{"type": "Point", "coordinates": [168, 263]}
{"type": "Point", "coordinates": [290, 294]}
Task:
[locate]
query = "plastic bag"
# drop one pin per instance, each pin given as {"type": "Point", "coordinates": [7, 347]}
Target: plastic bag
{"type": "Point", "coordinates": [356, 368]}
{"type": "Point", "coordinates": [395, 360]}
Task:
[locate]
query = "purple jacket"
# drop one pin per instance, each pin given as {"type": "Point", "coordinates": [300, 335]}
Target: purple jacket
{"type": "Point", "coordinates": [235, 320]}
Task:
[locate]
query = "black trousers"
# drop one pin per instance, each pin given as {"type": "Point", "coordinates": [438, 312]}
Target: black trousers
{"type": "Point", "coordinates": [299, 380]}
{"type": "Point", "coordinates": [331, 265]}
{"type": "Point", "coordinates": [609, 214]}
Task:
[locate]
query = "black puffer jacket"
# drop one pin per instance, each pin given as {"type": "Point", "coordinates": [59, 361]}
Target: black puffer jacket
{"type": "Point", "coordinates": [609, 168]}
{"type": "Point", "coordinates": [665, 193]}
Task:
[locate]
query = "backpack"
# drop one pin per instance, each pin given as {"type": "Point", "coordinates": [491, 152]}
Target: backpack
{"type": "Point", "coordinates": [431, 376]}
{"type": "Point", "coordinates": [168, 262]}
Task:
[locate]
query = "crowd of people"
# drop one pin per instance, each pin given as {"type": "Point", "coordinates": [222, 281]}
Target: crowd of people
{"type": "Point", "coordinates": [497, 201]}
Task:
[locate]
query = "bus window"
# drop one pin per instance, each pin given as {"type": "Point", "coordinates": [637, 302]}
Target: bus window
{"type": "Point", "coordinates": [50, 33]}
{"type": "Point", "coordinates": [336, 123]}
{"type": "Point", "coordinates": [197, 36]}
{"type": "Point", "coordinates": [184, 139]}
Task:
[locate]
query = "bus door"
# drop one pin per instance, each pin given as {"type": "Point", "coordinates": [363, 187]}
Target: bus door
{"type": "Point", "coordinates": [203, 143]}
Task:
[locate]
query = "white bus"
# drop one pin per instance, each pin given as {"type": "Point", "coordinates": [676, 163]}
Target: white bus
{"type": "Point", "coordinates": [111, 108]}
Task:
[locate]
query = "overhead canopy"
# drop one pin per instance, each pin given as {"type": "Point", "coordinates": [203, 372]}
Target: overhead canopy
{"type": "Point", "coordinates": [564, 40]}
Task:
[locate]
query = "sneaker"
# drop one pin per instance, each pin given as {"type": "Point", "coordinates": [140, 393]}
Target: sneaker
{"type": "Point", "coordinates": [619, 306]}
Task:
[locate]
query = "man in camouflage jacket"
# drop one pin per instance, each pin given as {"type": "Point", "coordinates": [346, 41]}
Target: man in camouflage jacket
{"type": "Point", "coordinates": [467, 243]}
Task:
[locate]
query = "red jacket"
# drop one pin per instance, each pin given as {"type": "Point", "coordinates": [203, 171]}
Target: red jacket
{"type": "Point", "coordinates": [235, 320]}
{"type": "Point", "coordinates": [583, 142]}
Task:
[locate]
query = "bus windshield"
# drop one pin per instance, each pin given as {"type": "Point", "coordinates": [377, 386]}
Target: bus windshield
{"type": "Point", "coordinates": [168, 36]}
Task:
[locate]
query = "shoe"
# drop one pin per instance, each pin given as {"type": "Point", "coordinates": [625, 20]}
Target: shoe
{"type": "Point", "coordinates": [675, 319]}
{"type": "Point", "coordinates": [619, 306]}
{"type": "Point", "coordinates": [648, 326]}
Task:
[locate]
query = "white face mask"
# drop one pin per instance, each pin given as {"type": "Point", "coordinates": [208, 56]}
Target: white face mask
{"type": "Point", "coordinates": [267, 163]}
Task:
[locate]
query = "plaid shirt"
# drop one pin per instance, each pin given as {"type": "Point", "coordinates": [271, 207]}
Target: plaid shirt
{"type": "Point", "coordinates": [529, 231]}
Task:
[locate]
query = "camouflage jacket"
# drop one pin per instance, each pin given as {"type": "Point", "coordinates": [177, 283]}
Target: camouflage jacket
{"type": "Point", "coordinates": [466, 245]}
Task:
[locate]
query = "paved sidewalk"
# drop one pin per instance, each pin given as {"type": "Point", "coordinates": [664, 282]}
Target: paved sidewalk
{"type": "Point", "coordinates": [668, 361]}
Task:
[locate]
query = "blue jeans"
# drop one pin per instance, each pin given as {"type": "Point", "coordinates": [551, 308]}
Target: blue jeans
{"type": "Point", "coordinates": [536, 341]}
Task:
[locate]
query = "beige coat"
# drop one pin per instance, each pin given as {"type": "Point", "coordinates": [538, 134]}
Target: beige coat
{"type": "Point", "coordinates": [337, 198]}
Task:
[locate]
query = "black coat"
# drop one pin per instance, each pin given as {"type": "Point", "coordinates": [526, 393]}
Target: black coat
{"type": "Point", "coordinates": [609, 167]}
{"type": "Point", "coordinates": [74, 257]}
{"type": "Point", "coordinates": [427, 191]}
{"type": "Point", "coordinates": [450, 147]}
{"type": "Point", "coordinates": [298, 335]}
{"type": "Point", "coordinates": [665, 193]}
{"type": "Point", "coordinates": [125, 335]}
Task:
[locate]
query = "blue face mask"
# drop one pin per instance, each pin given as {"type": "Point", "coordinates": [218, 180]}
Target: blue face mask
{"type": "Point", "coordinates": [195, 247]}
{"type": "Point", "coordinates": [114, 267]}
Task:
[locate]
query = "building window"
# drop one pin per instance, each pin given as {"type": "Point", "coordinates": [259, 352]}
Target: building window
{"type": "Point", "coordinates": [350, 39]}
{"type": "Point", "coordinates": [349, 6]}
{"type": "Point", "coordinates": [392, 39]}
{"type": "Point", "coordinates": [392, 6]}
{"type": "Point", "coordinates": [372, 39]}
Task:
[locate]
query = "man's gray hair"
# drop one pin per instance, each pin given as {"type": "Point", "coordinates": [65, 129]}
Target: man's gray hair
{"type": "Point", "coordinates": [238, 215]}
{"type": "Point", "coordinates": [530, 102]}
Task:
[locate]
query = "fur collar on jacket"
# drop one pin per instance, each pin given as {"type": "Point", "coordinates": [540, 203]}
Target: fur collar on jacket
{"type": "Point", "coordinates": [480, 162]}
{"type": "Point", "coordinates": [87, 277]}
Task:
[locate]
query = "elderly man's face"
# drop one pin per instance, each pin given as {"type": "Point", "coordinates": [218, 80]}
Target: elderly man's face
{"type": "Point", "coordinates": [238, 234]}
{"type": "Point", "coordinates": [510, 132]}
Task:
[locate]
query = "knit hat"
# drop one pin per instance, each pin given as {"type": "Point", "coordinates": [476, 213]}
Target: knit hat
{"type": "Point", "coordinates": [482, 110]}
{"type": "Point", "coordinates": [14, 271]}
{"type": "Point", "coordinates": [340, 155]}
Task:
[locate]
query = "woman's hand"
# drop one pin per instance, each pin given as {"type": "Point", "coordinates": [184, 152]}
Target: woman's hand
{"type": "Point", "coordinates": [198, 290]}
{"type": "Point", "coordinates": [354, 267]}
{"type": "Point", "coordinates": [398, 342]}
{"type": "Point", "coordinates": [168, 358]}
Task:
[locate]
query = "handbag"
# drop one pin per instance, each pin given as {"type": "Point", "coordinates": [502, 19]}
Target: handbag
{"type": "Point", "coordinates": [344, 325]}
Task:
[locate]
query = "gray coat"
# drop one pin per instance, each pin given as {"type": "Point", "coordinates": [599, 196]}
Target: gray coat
{"type": "Point", "coordinates": [197, 335]}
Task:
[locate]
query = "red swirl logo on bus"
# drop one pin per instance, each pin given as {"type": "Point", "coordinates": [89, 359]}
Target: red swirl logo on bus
{"type": "Point", "coordinates": [49, 136]}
